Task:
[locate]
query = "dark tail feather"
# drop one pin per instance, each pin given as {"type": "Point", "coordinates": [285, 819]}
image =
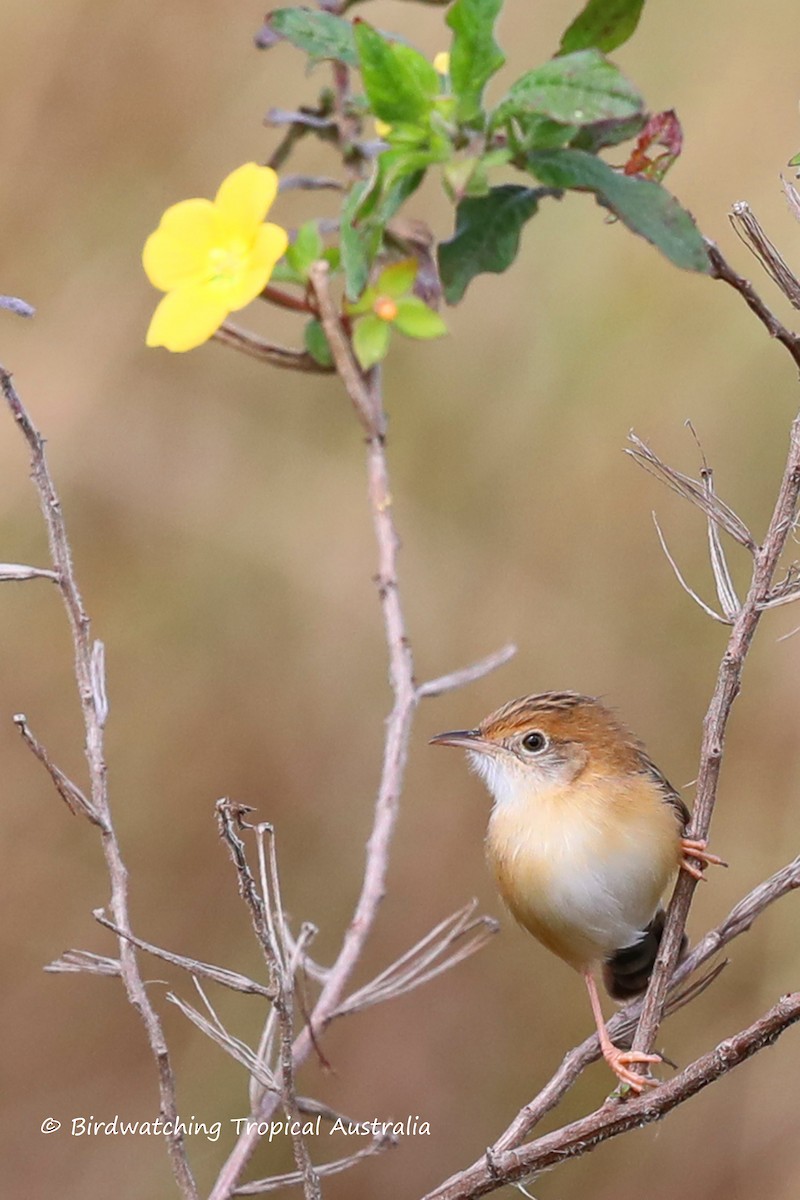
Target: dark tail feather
{"type": "Point", "coordinates": [627, 972]}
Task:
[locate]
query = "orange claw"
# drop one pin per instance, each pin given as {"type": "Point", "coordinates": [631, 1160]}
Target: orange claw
{"type": "Point", "coordinates": [696, 848]}
{"type": "Point", "coordinates": [618, 1061]}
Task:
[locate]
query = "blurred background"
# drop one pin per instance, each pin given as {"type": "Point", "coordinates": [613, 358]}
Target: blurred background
{"type": "Point", "coordinates": [223, 544]}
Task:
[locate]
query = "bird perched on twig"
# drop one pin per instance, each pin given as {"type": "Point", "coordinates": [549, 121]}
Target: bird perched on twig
{"type": "Point", "coordinates": [584, 837]}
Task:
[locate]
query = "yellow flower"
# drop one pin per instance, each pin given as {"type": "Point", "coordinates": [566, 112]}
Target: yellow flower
{"type": "Point", "coordinates": [441, 63]}
{"type": "Point", "coordinates": [212, 257]}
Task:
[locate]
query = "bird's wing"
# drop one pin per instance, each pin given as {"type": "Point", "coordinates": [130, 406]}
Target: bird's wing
{"type": "Point", "coordinates": [669, 793]}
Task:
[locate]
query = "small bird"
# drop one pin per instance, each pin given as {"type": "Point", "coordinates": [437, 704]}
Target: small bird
{"type": "Point", "coordinates": [584, 837]}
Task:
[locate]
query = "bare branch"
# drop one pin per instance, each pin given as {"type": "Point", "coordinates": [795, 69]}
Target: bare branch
{"type": "Point", "coordinates": [477, 670]}
{"type": "Point", "coordinates": [722, 270]}
{"type": "Point", "coordinates": [365, 396]}
{"type": "Point", "coordinates": [613, 1119]}
{"type": "Point", "coordinates": [765, 563]}
{"type": "Point", "coordinates": [305, 118]}
{"type": "Point", "coordinates": [749, 231]}
{"type": "Point", "coordinates": [693, 490]}
{"type": "Point", "coordinates": [73, 962]}
{"type": "Point", "coordinates": [266, 912]}
{"type": "Point", "coordinates": [91, 693]}
{"type": "Point", "coordinates": [292, 1178]}
{"type": "Point", "coordinates": [17, 571]}
{"type": "Point", "coordinates": [352, 377]}
{"type": "Point", "coordinates": [277, 356]}
{"type": "Point", "coordinates": [313, 183]}
{"type": "Point", "coordinates": [15, 305]}
{"type": "Point", "coordinates": [726, 592]}
{"type": "Point", "coordinates": [216, 1031]}
{"type": "Point", "coordinates": [792, 197]}
{"type": "Point", "coordinates": [229, 979]}
{"type": "Point", "coordinates": [419, 964]}
{"type": "Point", "coordinates": [364, 393]}
{"type": "Point", "coordinates": [69, 792]}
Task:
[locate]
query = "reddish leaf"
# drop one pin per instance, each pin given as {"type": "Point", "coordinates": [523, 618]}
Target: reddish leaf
{"type": "Point", "coordinates": [663, 129]}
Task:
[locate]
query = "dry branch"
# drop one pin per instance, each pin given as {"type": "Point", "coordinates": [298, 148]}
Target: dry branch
{"type": "Point", "coordinates": [94, 708]}
{"type": "Point", "coordinates": [765, 563]}
{"type": "Point", "coordinates": [615, 1118]}
{"type": "Point", "coordinates": [266, 912]}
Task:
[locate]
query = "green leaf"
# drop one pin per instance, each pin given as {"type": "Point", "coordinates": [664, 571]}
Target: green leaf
{"type": "Point", "coordinates": [794, 162]}
{"type": "Point", "coordinates": [645, 207]}
{"type": "Point", "coordinates": [605, 133]}
{"type": "Point", "coordinates": [542, 133]}
{"type": "Point", "coordinates": [487, 236]}
{"type": "Point", "coordinates": [316, 343]}
{"type": "Point", "coordinates": [371, 340]}
{"type": "Point", "coordinates": [475, 56]}
{"type": "Point", "coordinates": [284, 273]}
{"type": "Point", "coordinates": [603, 24]}
{"type": "Point", "coordinates": [416, 320]}
{"type": "Point", "coordinates": [333, 256]}
{"type": "Point", "coordinates": [359, 243]}
{"type": "Point", "coordinates": [399, 81]}
{"type": "Point", "coordinates": [401, 172]}
{"type": "Point", "coordinates": [306, 248]}
{"type": "Point", "coordinates": [577, 89]}
{"type": "Point", "coordinates": [397, 279]}
{"type": "Point", "coordinates": [319, 34]}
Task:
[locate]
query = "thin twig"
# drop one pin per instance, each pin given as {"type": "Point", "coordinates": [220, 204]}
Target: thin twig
{"type": "Point", "coordinates": [283, 299]}
{"type": "Point", "coordinates": [229, 979]}
{"type": "Point", "coordinates": [69, 792]}
{"type": "Point", "coordinates": [74, 962]}
{"type": "Point", "coordinates": [91, 692]}
{"type": "Point", "coordinates": [266, 912]}
{"type": "Point", "coordinates": [18, 571]}
{"type": "Point", "coordinates": [750, 232]}
{"type": "Point", "coordinates": [476, 670]}
{"type": "Point", "coordinates": [721, 269]}
{"type": "Point", "coordinates": [693, 490]}
{"type": "Point", "coordinates": [726, 592]}
{"type": "Point", "coordinates": [277, 356]}
{"type": "Point", "coordinates": [15, 305]}
{"type": "Point", "coordinates": [419, 964]}
{"type": "Point", "coordinates": [310, 183]}
{"type": "Point", "coordinates": [686, 587]}
{"type": "Point", "coordinates": [216, 1031]}
{"type": "Point", "coordinates": [259, 1186]}
{"type": "Point", "coordinates": [352, 377]}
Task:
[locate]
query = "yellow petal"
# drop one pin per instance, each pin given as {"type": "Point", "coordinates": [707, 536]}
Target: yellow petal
{"type": "Point", "coordinates": [245, 197]}
{"type": "Point", "coordinates": [441, 63]}
{"type": "Point", "coordinates": [177, 253]}
{"type": "Point", "coordinates": [187, 317]}
{"type": "Point", "coordinates": [268, 246]}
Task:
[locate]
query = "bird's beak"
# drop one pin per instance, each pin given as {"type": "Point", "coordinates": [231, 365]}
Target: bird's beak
{"type": "Point", "coordinates": [465, 739]}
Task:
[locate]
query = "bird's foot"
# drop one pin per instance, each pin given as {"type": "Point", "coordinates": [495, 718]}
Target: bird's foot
{"type": "Point", "coordinates": [620, 1060]}
{"type": "Point", "coordinates": [696, 848]}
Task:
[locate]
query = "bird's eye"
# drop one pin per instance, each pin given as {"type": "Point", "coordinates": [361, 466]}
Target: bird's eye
{"type": "Point", "coordinates": [534, 742]}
